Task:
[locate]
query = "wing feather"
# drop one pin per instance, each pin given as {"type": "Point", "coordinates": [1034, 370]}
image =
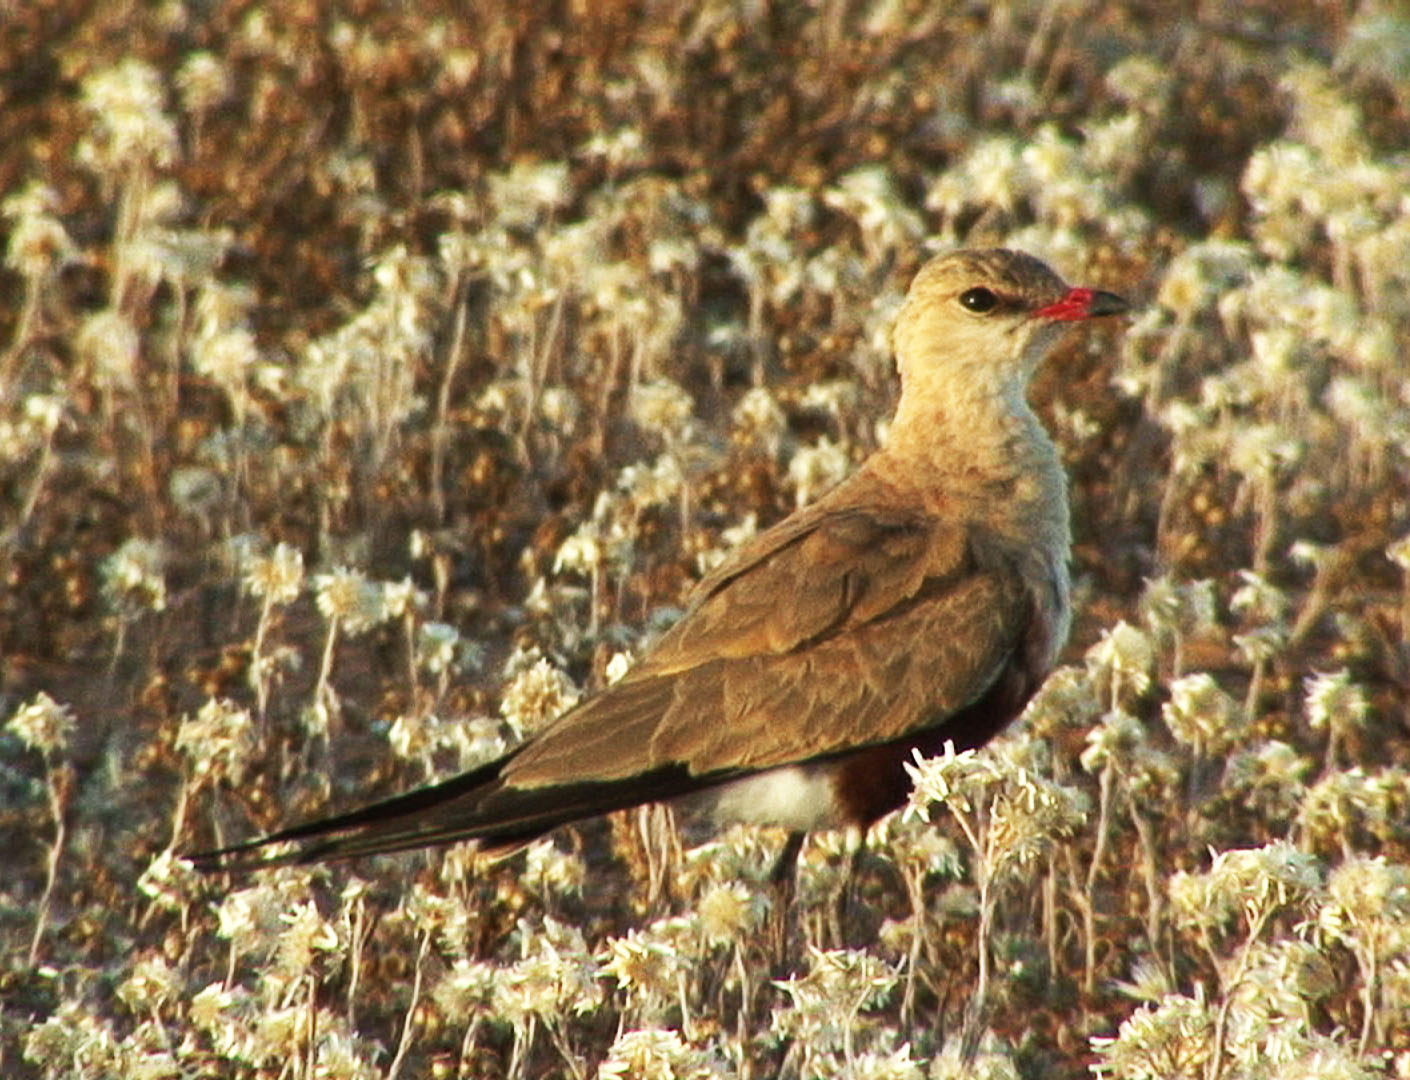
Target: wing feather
{"type": "Point", "coordinates": [849, 625]}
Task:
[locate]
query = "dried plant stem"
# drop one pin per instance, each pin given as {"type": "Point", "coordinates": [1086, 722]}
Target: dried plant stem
{"type": "Point", "coordinates": [1370, 975]}
{"type": "Point", "coordinates": [540, 361]}
{"type": "Point", "coordinates": [409, 627]}
{"type": "Point", "coordinates": [24, 331]}
{"type": "Point", "coordinates": [758, 346]}
{"type": "Point", "coordinates": [325, 667]}
{"type": "Point", "coordinates": [596, 598]}
{"type": "Point", "coordinates": [913, 878]}
{"type": "Point", "coordinates": [257, 674]}
{"type": "Point", "coordinates": [565, 1050]}
{"type": "Point", "coordinates": [972, 1027]}
{"type": "Point", "coordinates": [358, 935]}
{"type": "Point", "coordinates": [661, 844]}
{"type": "Point", "coordinates": [311, 1057]}
{"type": "Point", "coordinates": [1265, 505]}
{"type": "Point", "coordinates": [1170, 496]}
{"type": "Point", "coordinates": [1150, 874]}
{"type": "Point", "coordinates": [178, 819]}
{"type": "Point", "coordinates": [683, 996]}
{"type": "Point", "coordinates": [1215, 1067]}
{"type": "Point", "coordinates": [1083, 900]}
{"type": "Point", "coordinates": [687, 500]}
{"type": "Point", "coordinates": [440, 433]}
{"type": "Point", "coordinates": [36, 487]}
{"type": "Point", "coordinates": [467, 1045]}
{"type": "Point", "coordinates": [404, 1044]}
{"type": "Point", "coordinates": [741, 1033]}
{"type": "Point", "coordinates": [1050, 911]}
{"type": "Point", "coordinates": [1405, 612]}
{"type": "Point", "coordinates": [1089, 905]}
{"type": "Point", "coordinates": [1255, 689]}
{"type": "Point", "coordinates": [59, 785]}
{"type": "Point", "coordinates": [119, 644]}
{"type": "Point", "coordinates": [1331, 577]}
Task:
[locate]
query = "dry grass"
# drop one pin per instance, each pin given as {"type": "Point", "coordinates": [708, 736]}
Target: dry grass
{"type": "Point", "coordinates": [503, 322]}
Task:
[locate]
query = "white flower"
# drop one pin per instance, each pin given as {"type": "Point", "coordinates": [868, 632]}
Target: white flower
{"type": "Point", "coordinates": [1173, 1038]}
{"type": "Point", "coordinates": [1334, 700]}
{"type": "Point", "coordinates": [277, 577]}
{"type": "Point", "coordinates": [227, 357]}
{"type": "Point", "coordinates": [537, 695]}
{"type": "Point", "coordinates": [219, 740]}
{"type": "Point", "coordinates": [109, 343]}
{"type": "Point", "coordinates": [401, 598]}
{"type": "Point", "coordinates": [132, 577]}
{"type": "Point", "coordinates": [729, 912]}
{"type": "Point", "coordinates": [150, 985]}
{"type": "Point", "coordinates": [1201, 714]}
{"type": "Point", "coordinates": [204, 82]}
{"type": "Point", "coordinates": [126, 102]}
{"type": "Point", "coordinates": [38, 240]}
{"type": "Point", "coordinates": [528, 191]}
{"type": "Point", "coordinates": [346, 595]}
{"type": "Point", "coordinates": [759, 417]}
{"type": "Point", "coordinates": [43, 724]}
{"type": "Point", "coordinates": [549, 867]}
{"type": "Point", "coordinates": [662, 407]}
{"type": "Point", "coordinates": [657, 1054]}
{"type": "Point", "coordinates": [436, 646]}
{"type": "Point", "coordinates": [580, 553]}
{"type": "Point", "coordinates": [816, 468]}
{"type": "Point", "coordinates": [618, 666]}
{"type": "Point", "coordinates": [1253, 882]}
{"type": "Point", "coordinates": [557, 975]}
{"type": "Point", "coordinates": [1122, 658]}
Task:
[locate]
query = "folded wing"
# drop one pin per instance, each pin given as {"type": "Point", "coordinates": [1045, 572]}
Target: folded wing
{"type": "Point", "coordinates": [845, 626]}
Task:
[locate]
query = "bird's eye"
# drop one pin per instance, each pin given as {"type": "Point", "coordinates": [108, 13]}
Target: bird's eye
{"type": "Point", "coordinates": [981, 301]}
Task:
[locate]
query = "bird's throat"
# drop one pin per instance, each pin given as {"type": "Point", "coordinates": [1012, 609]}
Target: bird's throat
{"type": "Point", "coordinates": [989, 459]}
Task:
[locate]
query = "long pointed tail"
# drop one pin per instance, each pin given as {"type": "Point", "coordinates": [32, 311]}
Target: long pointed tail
{"type": "Point", "coordinates": [476, 805]}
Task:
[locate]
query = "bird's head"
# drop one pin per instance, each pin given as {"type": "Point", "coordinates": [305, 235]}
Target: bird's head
{"type": "Point", "coordinates": [983, 319]}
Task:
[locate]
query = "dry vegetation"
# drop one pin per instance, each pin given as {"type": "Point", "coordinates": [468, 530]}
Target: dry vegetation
{"type": "Point", "coordinates": [373, 384]}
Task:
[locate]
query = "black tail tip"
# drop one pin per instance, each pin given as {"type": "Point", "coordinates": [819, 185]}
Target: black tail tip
{"type": "Point", "coordinates": [241, 858]}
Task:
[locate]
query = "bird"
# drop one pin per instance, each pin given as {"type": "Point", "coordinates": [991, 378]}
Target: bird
{"type": "Point", "coordinates": [920, 601]}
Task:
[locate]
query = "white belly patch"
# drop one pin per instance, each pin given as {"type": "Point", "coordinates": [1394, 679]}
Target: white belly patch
{"type": "Point", "coordinates": [795, 797]}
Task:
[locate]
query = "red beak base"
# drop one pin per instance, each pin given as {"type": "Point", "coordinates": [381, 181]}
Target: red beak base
{"type": "Point", "coordinates": [1084, 304]}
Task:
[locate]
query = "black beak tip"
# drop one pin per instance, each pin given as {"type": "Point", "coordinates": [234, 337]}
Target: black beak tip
{"type": "Point", "coordinates": [1106, 303]}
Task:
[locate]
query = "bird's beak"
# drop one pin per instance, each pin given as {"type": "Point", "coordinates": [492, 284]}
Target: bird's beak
{"type": "Point", "coordinates": [1084, 304]}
